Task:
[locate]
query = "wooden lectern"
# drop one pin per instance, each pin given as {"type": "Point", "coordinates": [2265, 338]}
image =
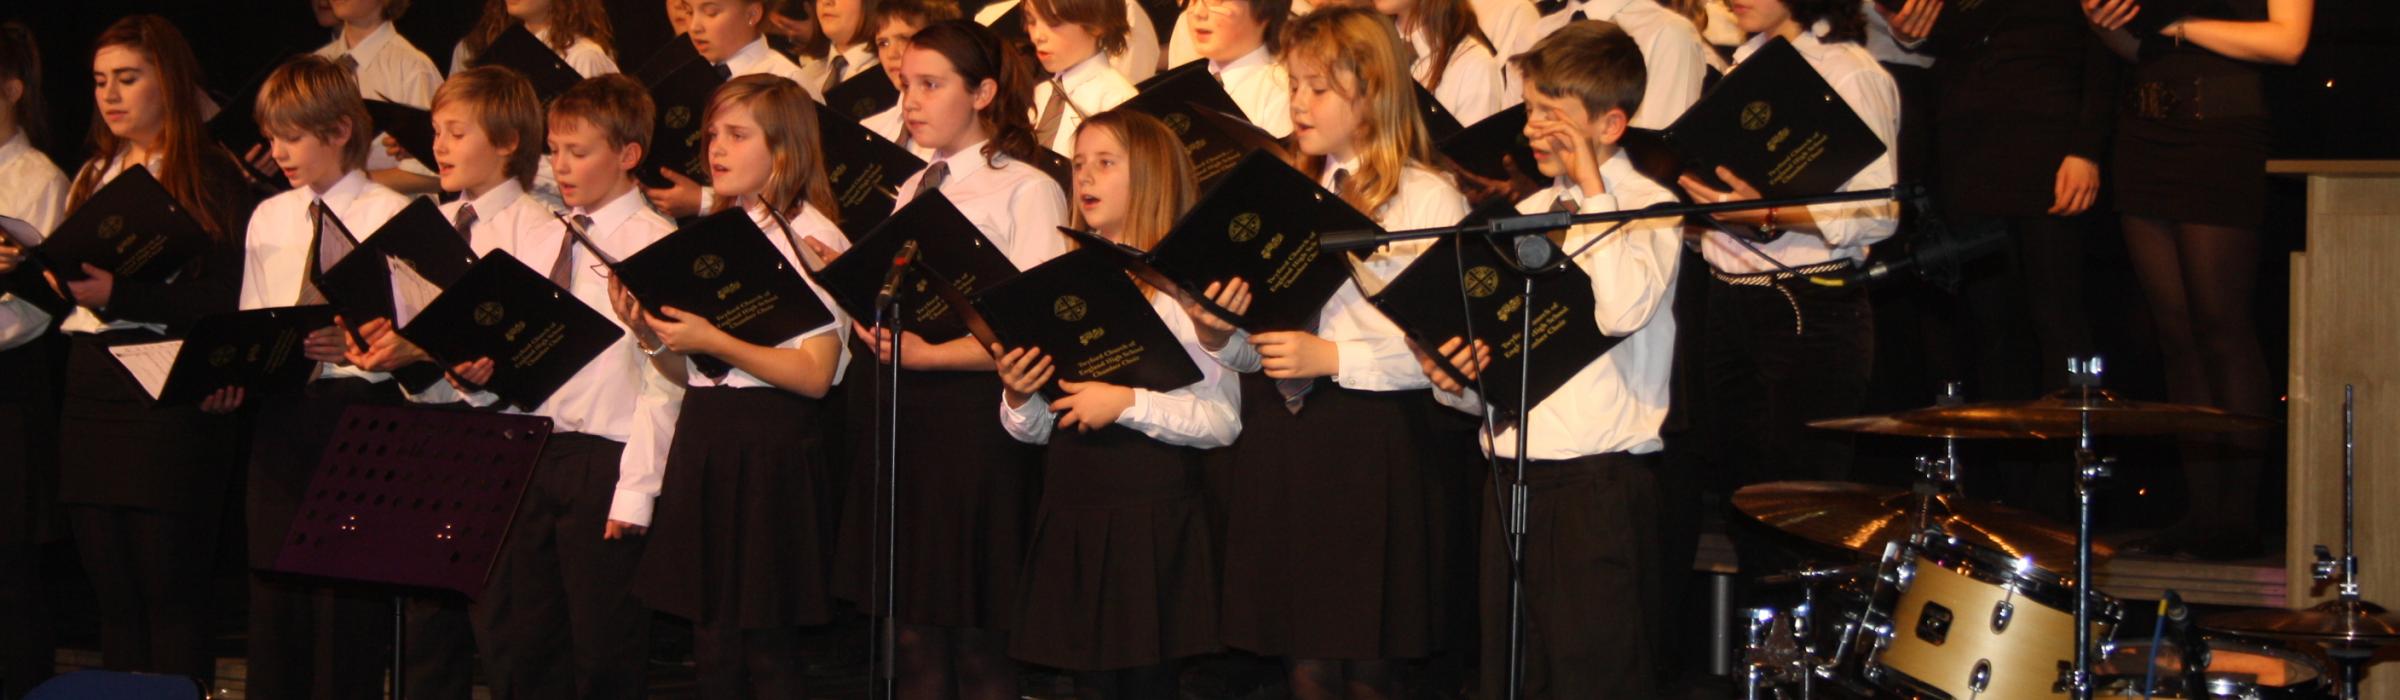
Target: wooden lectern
{"type": "Point", "coordinates": [2346, 330]}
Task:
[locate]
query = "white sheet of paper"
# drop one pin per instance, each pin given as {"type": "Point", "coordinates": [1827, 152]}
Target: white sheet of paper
{"type": "Point", "coordinates": [333, 244]}
{"type": "Point", "coordinates": [21, 232]}
{"type": "Point", "coordinates": [411, 292]}
{"type": "Point", "coordinates": [149, 362]}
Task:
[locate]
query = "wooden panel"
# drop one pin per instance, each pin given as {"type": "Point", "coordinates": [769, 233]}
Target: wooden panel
{"type": "Point", "coordinates": [2345, 320]}
{"type": "Point", "coordinates": [2333, 167]}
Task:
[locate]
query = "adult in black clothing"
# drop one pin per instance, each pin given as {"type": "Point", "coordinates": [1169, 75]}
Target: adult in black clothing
{"type": "Point", "coordinates": [2189, 161]}
{"type": "Point", "coordinates": [144, 484]}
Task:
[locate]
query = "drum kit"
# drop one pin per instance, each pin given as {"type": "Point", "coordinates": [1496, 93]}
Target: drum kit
{"type": "Point", "coordinates": [1976, 601]}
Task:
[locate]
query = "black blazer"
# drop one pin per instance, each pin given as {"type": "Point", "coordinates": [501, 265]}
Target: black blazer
{"type": "Point", "coordinates": [2016, 99]}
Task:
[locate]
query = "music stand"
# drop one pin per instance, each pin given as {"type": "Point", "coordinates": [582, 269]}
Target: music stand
{"type": "Point", "coordinates": [413, 498]}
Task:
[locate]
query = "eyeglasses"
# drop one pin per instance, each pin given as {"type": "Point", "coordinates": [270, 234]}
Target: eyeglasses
{"type": "Point", "coordinates": [1204, 8]}
{"type": "Point", "coordinates": [889, 43]}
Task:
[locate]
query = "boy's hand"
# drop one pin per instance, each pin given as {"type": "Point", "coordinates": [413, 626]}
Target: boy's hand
{"type": "Point", "coordinates": [1570, 143]}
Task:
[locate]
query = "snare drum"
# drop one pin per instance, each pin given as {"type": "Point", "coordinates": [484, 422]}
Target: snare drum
{"type": "Point", "coordinates": [1950, 620]}
{"type": "Point", "coordinates": [2238, 669]}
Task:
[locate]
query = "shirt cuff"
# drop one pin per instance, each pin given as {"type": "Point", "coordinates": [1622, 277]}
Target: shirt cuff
{"type": "Point", "coordinates": [631, 507]}
{"type": "Point", "coordinates": [1137, 414]}
{"type": "Point", "coordinates": [1237, 355]}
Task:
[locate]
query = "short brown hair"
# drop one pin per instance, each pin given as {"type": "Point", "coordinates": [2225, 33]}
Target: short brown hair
{"type": "Point", "coordinates": [917, 12]}
{"type": "Point", "coordinates": [506, 108]}
{"type": "Point", "coordinates": [1105, 19]}
{"type": "Point", "coordinates": [1592, 61]}
{"type": "Point", "coordinates": [311, 94]}
{"type": "Point", "coordinates": [615, 103]}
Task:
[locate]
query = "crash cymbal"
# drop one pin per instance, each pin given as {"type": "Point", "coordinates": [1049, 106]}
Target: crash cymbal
{"type": "Point", "coordinates": [1862, 518]}
{"type": "Point", "coordinates": [2336, 623]}
{"type": "Point", "coordinates": [1889, 425]}
{"type": "Point", "coordinates": [2059, 416]}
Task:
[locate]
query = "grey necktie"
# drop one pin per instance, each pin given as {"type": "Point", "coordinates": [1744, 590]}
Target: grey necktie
{"type": "Point", "coordinates": [347, 62]}
{"type": "Point", "coordinates": [562, 270]}
{"type": "Point", "coordinates": [465, 222]}
{"type": "Point", "coordinates": [724, 72]}
{"type": "Point", "coordinates": [1341, 178]}
{"type": "Point", "coordinates": [934, 175]}
{"type": "Point", "coordinates": [834, 77]}
{"type": "Point", "coordinates": [1048, 129]}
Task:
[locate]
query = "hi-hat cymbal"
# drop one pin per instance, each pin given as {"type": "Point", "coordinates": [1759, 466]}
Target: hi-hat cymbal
{"type": "Point", "coordinates": [2336, 623]}
{"type": "Point", "coordinates": [1862, 518]}
{"type": "Point", "coordinates": [1889, 425]}
{"type": "Point", "coordinates": [2060, 416]}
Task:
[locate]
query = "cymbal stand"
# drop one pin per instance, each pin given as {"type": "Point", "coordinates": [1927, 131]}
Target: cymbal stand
{"type": "Point", "coordinates": [1938, 475]}
{"type": "Point", "coordinates": [2090, 468]}
{"type": "Point", "coordinates": [2353, 658]}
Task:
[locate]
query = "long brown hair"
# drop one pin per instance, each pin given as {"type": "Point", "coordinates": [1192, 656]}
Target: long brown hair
{"type": "Point", "coordinates": [787, 117]}
{"type": "Point", "coordinates": [1161, 171]}
{"type": "Point", "coordinates": [1446, 24]}
{"type": "Point", "coordinates": [569, 20]}
{"type": "Point", "coordinates": [1362, 57]}
{"type": "Point", "coordinates": [976, 53]}
{"type": "Point", "coordinates": [183, 144]}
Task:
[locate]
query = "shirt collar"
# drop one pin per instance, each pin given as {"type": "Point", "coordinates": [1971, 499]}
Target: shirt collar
{"type": "Point", "coordinates": [344, 191]}
{"type": "Point", "coordinates": [1616, 174]}
{"type": "Point", "coordinates": [1808, 43]}
{"type": "Point", "coordinates": [374, 42]}
{"type": "Point", "coordinates": [17, 145]}
{"type": "Point", "coordinates": [757, 50]}
{"type": "Point", "coordinates": [1257, 57]}
{"type": "Point", "coordinates": [1332, 166]}
{"type": "Point", "coordinates": [861, 56]}
{"type": "Point", "coordinates": [609, 217]}
{"type": "Point", "coordinates": [1605, 10]}
{"type": "Point", "coordinates": [499, 199]}
{"type": "Point", "coordinates": [971, 153]}
{"type": "Point", "coordinates": [1084, 71]}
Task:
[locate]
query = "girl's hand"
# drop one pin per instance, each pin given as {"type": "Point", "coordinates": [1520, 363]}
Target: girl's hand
{"type": "Point", "coordinates": [391, 147]}
{"type": "Point", "coordinates": [824, 253]}
{"type": "Point", "coordinates": [328, 344]}
{"type": "Point", "coordinates": [10, 256]}
{"type": "Point", "coordinates": [1741, 191]}
{"type": "Point", "coordinates": [223, 401]}
{"type": "Point", "coordinates": [2111, 15]}
{"type": "Point", "coordinates": [94, 290]}
{"type": "Point", "coordinates": [629, 311]}
{"type": "Point", "coordinates": [680, 198]}
{"type": "Point", "coordinates": [1914, 21]}
{"type": "Point", "coordinates": [1023, 372]}
{"type": "Point", "coordinates": [475, 374]}
{"type": "Point", "coordinates": [1469, 360]}
{"type": "Point", "coordinates": [1296, 355]}
{"type": "Point", "coordinates": [1091, 406]}
{"type": "Point", "coordinates": [619, 529]}
{"type": "Point", "coordinates": [913, 348]}
{"type": "Point", "coordinates": [686, 332]}
{"type": "Point", "coordinates": [1231, 295]}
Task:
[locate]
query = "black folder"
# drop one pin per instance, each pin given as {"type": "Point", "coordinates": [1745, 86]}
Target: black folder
{"type": "Point", "coordinates": [1439, 123]}
{"type": "Point", "coordinates": [1773, 121]}
{"type": "Point", "coordinates": [27, 282]}
{"type": "Point", "coordinates": [1195, 106]}
{"type": "Point", "coordinates": [1494, 149]}
{"type": "Point", "coordinates": [236, 128]}
{"type": "Point", "coordinates": [1425, 301]}
{"type": "Point", "coordinates": [360, 284]}
{"type": "Point", "coordinates": [1261, 223]}
{"type": "Point", "coordinates": [537, 335]}
{"type": "Point", "coordinates": [1085, 313]}
{"type": "Point", "coordinates": [864, 95]}
{"type": "Point", "coordinates": [724, 269]}
{"type": "Point", "coordinates": [947, 243]}
{"type": "Point", "coordinates": [131, 227]}
{"type": "Point", "coordinates": [410, 126]}
{"type": "Point", "coordinates": [681, 83]}
{"type": "Point", "coordinates": [259, 350]}
{"type": "Point", "coordinates": [519, 50]}
{"type": "Point", "coordinates": [865, 170]}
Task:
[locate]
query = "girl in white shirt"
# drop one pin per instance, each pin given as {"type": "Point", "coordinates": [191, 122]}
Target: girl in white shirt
{"type": "Point", "coordinates": [737, 542]}
{"type": "Point", "coordinates": [1119, 580]}
{"type": "Point", "coordinates": [1074, 40]}
{"type": "Point", "coordinates": [899, 20]}
{"type": "Point", "coordinates": [1333, 418]}
{"type": "Point", "coordinates": [32, 190]}
{"type": "Point", "coordinates": [966, 486]}
{"type": "Point", "coordinates": [731, 36]}
{"type": "Point", "coordinates": [1454, 58]}
{"type": "Point", "coordinates": [1239, 39]}
{"type": "Point", "coordinates": [577, 30]}
{"type": "Point", "coordinates": [391, 69]}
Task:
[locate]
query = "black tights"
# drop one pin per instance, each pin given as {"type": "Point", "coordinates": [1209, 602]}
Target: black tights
{"type": "Point", "coordinates": [951, 663]}
{"type": "Point", "coordinates": [2199, 280]}
{"type": "Point", "coordinates": [1332, 679]}
{"type": "Point", "coordinates": [1160, 681]}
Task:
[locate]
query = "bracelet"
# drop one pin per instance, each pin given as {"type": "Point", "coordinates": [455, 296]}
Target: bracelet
{"type": "Point", "coordinates": [650, 351]}
{"type": "Point", "coordinates": [1766, 229]}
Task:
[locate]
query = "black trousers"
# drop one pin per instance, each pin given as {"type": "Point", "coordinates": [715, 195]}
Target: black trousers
{"type": "Point", "coordinates": [27, 652]}
{"type": "Point", "coordinates": [150, 573]}
{"type": "Point", "coordinates": [441, 648]}
{"type": "Point", "coordinates": [559, 618]}
{"type": "Point", "coordinates": [2026, 310]}
{"type": "Point", "coordinates": [1590, 581]}
{"type": "Point", "coordinates": [309, 637]}
{"type": "Point", "coordinates": [1774, 358]}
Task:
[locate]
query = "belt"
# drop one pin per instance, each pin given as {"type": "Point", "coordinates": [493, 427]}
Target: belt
{"type": "Point", "coordinates": [1770, 278]}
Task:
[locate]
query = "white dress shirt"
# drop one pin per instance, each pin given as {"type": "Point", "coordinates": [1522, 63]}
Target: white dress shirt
{"type": "Point", "coordinates": [1374, 352]}
{"type": "Point", "coordinates": [499, 214]}
{"type": "Point", "coordinates": [1886, 47]}
{"type": "Point", "coordinates": [1015, 205]}
{"type": "Point", "coordinates": [756, 57]}
{"type": "Point", "coordinates": [1261, 88]}
{"type": "Point", "coordinates": [809, 223]}
{"type": "Point", "coordinates": [1672, 54]}
{"type": "Point", "coordinates": [32, 190]}
{"type": "Point", "coordinates": [1847, 228]}
{"type": "Point", "coordinates": [589, 61]}
{"type": "Point", "coordinates": [855, 60]}
{"type": "Point", "coordinates": [1509, 24]}
{"type": "Point", "coordinates": [1137, 62]}
{"type": "Point", "coordinates": [275, 253]}
{"type": "Point", "coordinates": [1618, 402]}
{"type": "Point", "coordinates": [392, 70]}
{"type": "Point", "coordinates": [1179, 42]}
{"type": "Point", "coordinates": [1205, 414]}
{"type": "Point", "coordinates": [1471, 84]}
{"type": "Point", "coordinates": [1092, 87]}
{"type": "Point", "coordinates": [82, 320]}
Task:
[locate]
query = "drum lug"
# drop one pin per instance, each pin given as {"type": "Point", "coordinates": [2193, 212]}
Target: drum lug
{"type": "Point", "coordinates": [1981, 677]}
{"type": "Point", "coordinates": [2002, 612]}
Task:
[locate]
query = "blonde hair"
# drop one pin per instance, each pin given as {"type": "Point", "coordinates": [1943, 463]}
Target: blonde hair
{"type": "Point", "coordinates": [787, 117]}
{"type": "Point", "coordinates": [1363, 59]}
{"type": "Point", "coordinates": [1156, 161]}
{"type": "Point", "coordinates": [506, 108]}
{"type": "Point", "coordinates": [615, 103]}
{"type": "Point", "coordinates": [310, 94]}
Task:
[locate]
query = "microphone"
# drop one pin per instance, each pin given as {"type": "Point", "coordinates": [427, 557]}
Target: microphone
{"type": "Point", "coordinates": [2188, 639]}
{"type": "Point", "coordinates": [1533, 250]}
{"type": "Point", "coordinates": [899, 271]}
{"type": "Point", "coordinates": [1940, 252]}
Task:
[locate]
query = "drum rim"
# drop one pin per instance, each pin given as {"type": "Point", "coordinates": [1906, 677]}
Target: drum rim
{"type": "Point", "coordinates": [2319, 681]}
{"type": "Point", "coordinates": [1875, 630]}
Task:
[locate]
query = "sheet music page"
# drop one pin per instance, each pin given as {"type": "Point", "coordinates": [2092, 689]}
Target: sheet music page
{"type": "Point", "coordinates": [333, 243]}
{"type": "Point", "coordinates": [411, 292]}
{"type": "Point", "coordinates": [149, 362]}
{"type": "Point", "coordinates": [21, 232]}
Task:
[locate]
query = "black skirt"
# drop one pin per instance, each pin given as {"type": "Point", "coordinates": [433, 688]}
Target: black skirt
{"type": "Point", "coordinates": [117, 449]}
{"type": "Point", "coordinates": [1119, 571]}
{"type": "Point", "coordinates": [29, 441]}
{"type": "Point", "coordinates": [1332, 542]}
{"type": "Point", "coordinates": [743, 507]}
{"type": "Point", "coordinates": [966, 494]}
{"type": "Point", "coordinates": [2192, 141]}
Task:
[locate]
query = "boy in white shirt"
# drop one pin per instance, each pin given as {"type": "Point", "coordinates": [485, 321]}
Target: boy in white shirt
{"type": "Point", "coordinates": [388, 68]}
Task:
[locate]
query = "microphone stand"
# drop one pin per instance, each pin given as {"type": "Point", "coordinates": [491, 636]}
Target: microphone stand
{"type": "Point", "coordinates": [1519, 495]}
{"type": "Point", "coordinates": [888, 316]}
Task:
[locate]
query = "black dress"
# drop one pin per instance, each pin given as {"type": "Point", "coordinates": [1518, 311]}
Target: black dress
{"type": "Point", "coordinates": [744, 505]}
{"type": "Point", "coordinates": [1119, 572]}
{"type": "Point", "coordinates": [966, 496]}
{"type": "Point", "coordinates": [2020, 90]}
{"type": "Point", "coordinates": [1333, 548]}
{"type": "Point", "coordinates": [2192, 134]}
